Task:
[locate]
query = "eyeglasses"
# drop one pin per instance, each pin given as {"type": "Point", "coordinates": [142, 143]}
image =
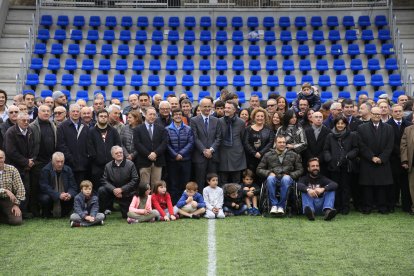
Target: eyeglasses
{"type": "Point", "coordinates": [376, 114]}
{"type": "Point", "coordinates": [11, 112]}
{"type": "Point", "coordinates": [58, 112]}
{"type": "Point", "coordinates": [271, 105]}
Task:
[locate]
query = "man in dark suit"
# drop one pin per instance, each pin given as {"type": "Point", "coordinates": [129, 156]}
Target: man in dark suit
{"type": "Point", "coordinates": [150, 141]}
{"type": "Point", "coordinates": [207, 138]}
{"type": "Point", "coordinates": [347, 110]}
{"type": "Point", "coordinates": [376, 141]}
{"type": "Point", "coordinates": [399, 174]}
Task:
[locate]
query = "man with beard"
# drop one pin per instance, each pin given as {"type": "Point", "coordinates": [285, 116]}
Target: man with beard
{"type": "Point", "coordinates": [318, 192]}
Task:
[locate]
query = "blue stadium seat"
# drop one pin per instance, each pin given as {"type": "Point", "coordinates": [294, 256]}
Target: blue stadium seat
{"type": "Point", "coordinates": [288, 66]}
{"type": "Point", "coordinates": [73, 50]}
{"type": "Point", "coordinates": [272, 82]}
{"type": "Point", "coordinates": [332, 21]}
{"type": "Point", "coordinates": [46, 21]}
{"type": "Point", "coordinates": [303, 51]}
{"type": "Point", "coordinates": [350, 36]}
{"type": "Point", "coordinates": [43, 35]}
{"type": "Point", "coordinates": [238, 82]}
{"type": "Point", "coordinates": [123, 50]}
{"type": "Point", "coordinates": [85, 81]}
{"type": "Point", "coordinates": [109, 36]}
{"type": "Point", "coordinates": [190, 22]}
{"type": "Point", "coordinates": [387, 49]}
{"type": "Point", "coordinates": [67, 93]}
{"type": "Point", "coordinates": [356, 65]}
{"type": "Point", "coordinates": [324, 81]}
{"type": "Point", "coordinates": [126, 22]}
{"type": "Point", "coordinates": [174, 22]}
{"type": "Point", "coordinates": [316, 22]}
{"type": "Point", "coordinates": [40, 49]}
{"type": "Point", "coordinates": [117, 95]}
{"type": "Point", "coordinates": [32, 80]}
{"type": "Point", "coordinates": [205, 22]}
{"type": "Point", "coordinates": [289, 80]}
{"type": "Point", "coordinates": [121, 65]}
{"type": "Point", "coordinates": [287, 51]}
{"type": "Point", "coordinates": [395, 80]}
{"type": "Point", "coordinates": [203, 94]}
{"type": "Point", "coordinates": [334, 36]}
{"type": "Point", "coordinates": [110, 22]}
{"type": "Point", "coordinates": [187, 81]}
{"type": "Point", "coordinates": [107, 50]}
{"type": "Point", "coordinates": [138, 65]}
{"type": "Point", "coordinates": [359, 81]}
{"type": "Point", "coordinates": [255, 82]}
{"type": "Point", "coordinates": [205, 36]}
{"type": "Point", "coordinates": [344, 95]}
{"type": "Point", "coordinates": [237, 51]}
{"type": "Point", "coordinates": [221, 51]}
{"type": "Point", "coordinates": [285, 36]}
{"type": "Point", "coordinates": [157, 36]}
{"type": "Point", "coordinates": [221, 81]}
{"type": "Point", "coordinates": [188, 51]}
{"type": "Point", "coordinates": [367, 35]}
{"type": "Point", "coordinates": [171, 66]}
{"type": "Point", "coordinates": [237, 22]}
{"type": "Point", "coordinates": [318, 36]}
{"type": "Point", "coordinates": [204, 66]}
{"type": "Point", "coordinates": [125, 36]}
{"type": "Point", "coordinates": [36, 65]}
{"type": "Point", "coordinates": [173, 36]}
{"type": "Point", "coordinates": [92, 36]}
{"type": "Point", "coordinates": [364, 21]}
{"type": "Point", "coordinates": [82, 95]}
{"type": "Point", "coordinates": [170, 81]}
{"type": "Point", "coordinates": [300, 22]}
{"type": "Point", "coordinates": [60, 35]}
{"type": "Point", "coordinates": [341, 81]}
{"type": "Point", "coordinates": [305, 66]}
{"type": "Point", "coordinates": [221, 37]}
{"type": "Point", "coordinates": [391, 65]}
{"type": "Point", "coordinates": [57, 49]}
{"type": "Point", "coordinates": [237, 66]}
{"type": "Point", "coordinates": [141, 36]}
{"type": "Point", "coordinates": [377, 94]}
{"type": "Point", "coordinates": [205, 51]}
{"type": "Point", "coordinates": [384, 35]}
{"type": "Point", "coordinates": [336, 50]}
{"type": "Point", "coordinates": [189, 36]}
{"type": "Point", "coordinates": [326, 96]}
{"type": "Point", "coordinates": [156, 51]}
{"type": "Point", "coordinates": [396, 94]}
{"type": "Point", "coordinates": [360, 93]}
{"type": "Point", "coordinates": [102, 81]}
{"type": "Point", "coordinates": [270, 51]}
{"type": "Point", "coordinates": [268, 22]}
{"type": "Point", "coordinates": [377, 81]}
{"type": "Point", "coordinates": [188, 66]}
{"type": "Point", "coordinates": [252, 22]}
{"type": "Point", "coordinates": [322, 65]}
{"type": "Point", "coordinates": [348, 22]}
{"type": "Point", "coordinates": [353, 50]}
{"type": "Point", "coordinates": [237, 37]}
{"type": "Point", "coordinates": [204, 81]}
{"type": "Point", "coordinates": [158, 22]}
{"type": "Point", "coordinates": [307, 78]}
{"type": "Point", "coordinates": [153, 81]}
{"type": "Point", "coordinates": [373, 65]}
{"type": "Point", "coordinates": [320, 50]}
{"type": "Point", "coordinates": [380, 21]}
{"type": "Point", "coordinates": [172, 51]}
{"type": "Point", "coordinates": [88, 65]}
{"type": "Point", "coordinates": [301, 36]}
{"type": "Point", "coordinates": [241, 96]}
{"type": "Point", "coordinates": [155, 66]}
{"type": "Point", "coordinates": [221, 22]}
{"type": "Point", "coordinates": [62, 21]}
{"type": "Point", "coordinates": [104, 65]}
{"type": "Point", "coordinates": [254, 51]}
{"type": "Point", "coordinates": [269, 37]}
{"type": "Point", "coordinates": [94, 21]}
{"type": "Point", "coordinates": [50, 80]}
{"type": "Point", "coordinates": [271, 66]}
{"type": "Point", "coordinates": [90, 50]}
{"type": "Point", "coordinates": [136, 81]}
{"type": "Point", "coordinates": [255, 66]}
{"type": "Point", "coordinates": [291, 96]}
{"type": "Point", "coordinates": [257, 93]}
{"type": "Point", "coordinates": [46, 93]}
{"type": "Point", "coordinates": [221, 65]}
{"type": "Point", "coordinates": [284, 22]}
{"type": "Point", "coordinates": [142, 22]}
{"type": "Point", "coordinates": [140, 50]}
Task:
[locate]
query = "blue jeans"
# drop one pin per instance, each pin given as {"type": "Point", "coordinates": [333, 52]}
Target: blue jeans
{"type": "Point", "coordinates": [319, 204]}
{"type": "Point", "coordinates": [272, 183]}
{"type": "Point", "coordinates": [236, 212]}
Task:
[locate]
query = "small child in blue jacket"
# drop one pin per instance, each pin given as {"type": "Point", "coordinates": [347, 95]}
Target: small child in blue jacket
{"type": "Point", "coordinates": [191, 204]}
{"type": "Point", "coordinates": [86, 207]}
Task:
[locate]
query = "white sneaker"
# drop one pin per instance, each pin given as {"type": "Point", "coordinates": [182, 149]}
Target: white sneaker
{"type": "Point", "coordinates": [280, 211]}
{"type": "Point", "coordinates": [274, 210]}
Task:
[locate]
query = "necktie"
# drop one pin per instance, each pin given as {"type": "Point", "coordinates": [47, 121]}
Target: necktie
{"type": "Point", "coordinates": [150, 130]}
{"type": "Point", "coordinates": [206, 124]}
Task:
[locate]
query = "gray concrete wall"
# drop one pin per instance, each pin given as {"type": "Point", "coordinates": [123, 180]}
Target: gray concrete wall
{"type": "Point", "coordinates": [4, 9]}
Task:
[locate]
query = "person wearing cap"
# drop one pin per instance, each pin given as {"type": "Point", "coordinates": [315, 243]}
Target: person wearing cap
{"type": "Point", "coordinates": [307, 93]}
{"type": "Point", "coordinates": [60, 99]}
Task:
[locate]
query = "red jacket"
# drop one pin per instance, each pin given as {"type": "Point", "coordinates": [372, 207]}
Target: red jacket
{"type": "Point", "coordinates": [162, 202]}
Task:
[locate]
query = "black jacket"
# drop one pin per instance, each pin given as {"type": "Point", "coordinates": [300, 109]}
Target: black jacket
{"type": "Point", "coordinates": [320, 181]}
{"type": "Point", "coordinates": [144, 145]}
{"type": "Point", "coordinates": [340, 153]}
{"type": "Point", "coordinates": [315, 147]}
{"type": "Point", "coordinates": [124, 176]}
{"type": "Point", "coordinates": [99, 150]}
{"type": "Point", "coordinates": [18, 147]}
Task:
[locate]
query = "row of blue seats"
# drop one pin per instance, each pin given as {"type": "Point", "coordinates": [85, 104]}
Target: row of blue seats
{"type": "Point", "coordinates": [204, 65]}
{"type": "Point", "coordinates": [221, 51]}
{"type": "Point", "coordinates": [221, 21]}
{"type": "Point", "coordinates": [205, 36]}
{"type": "Point", "coordinates": [204, 81]}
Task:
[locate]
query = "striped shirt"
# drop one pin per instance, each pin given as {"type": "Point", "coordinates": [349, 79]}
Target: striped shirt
{"type": "Point", "coordinates": [10, 180]}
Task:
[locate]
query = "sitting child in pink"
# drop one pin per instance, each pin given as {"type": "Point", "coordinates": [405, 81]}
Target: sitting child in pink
{"type": "Point", "coordinates": [140, 209]}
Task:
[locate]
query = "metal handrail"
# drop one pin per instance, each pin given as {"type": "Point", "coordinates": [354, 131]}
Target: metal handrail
{"type": "Point", "coordinates": [23, 73]}
{"type": "Point", "coordinates": [410, 85]}
{"type": "Point", "coordinates": [405, 73]}
{"type": "Point", "coordinates": [18, 84]}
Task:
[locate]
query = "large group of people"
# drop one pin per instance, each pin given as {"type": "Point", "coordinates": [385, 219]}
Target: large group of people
{"type": "Point", "coordinates": [59, 159]}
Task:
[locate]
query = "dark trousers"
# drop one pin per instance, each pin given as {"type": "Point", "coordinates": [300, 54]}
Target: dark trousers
{"type": "Point", "coordinates": [400, 187]}
{"type": "Point", "coordinates": [6, 215]}
{"type": "Point", "coordinates": [107, 198]}
{"type": "Point", "coordinates": [35, 171]}
{"type": "Point", "coordinates": [343, 193]}
{"type": "Point", "coordinates": [24, 204]}
{"type": "Point", "coordinates": [375, 196]}
{"type": "Point", "coordinates": [179, 174]}
{"type": "Point", "coordinates": [79, 177]}
{"type": "Point", "coordinates": [229, 177]}
{"type": "Point", "coordinates": [201, 170]}
{"type": "Point", "coordinates": [96, 177]}
{"type": "Point", "coordinates": [47, 206]}
{"type": "Point", "coordinates": [356, 191]}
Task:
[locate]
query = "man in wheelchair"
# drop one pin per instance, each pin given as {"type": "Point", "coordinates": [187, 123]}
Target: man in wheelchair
{"type": "Point", "coordinates": [280, 166]}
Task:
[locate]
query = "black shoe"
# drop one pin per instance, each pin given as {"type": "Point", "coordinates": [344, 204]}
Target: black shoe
{"type": "Point", "coordinates": [309, 213]}
{"type": "Point", "coordinates": [383, 211]}
{"type": "Point", "coordinates": [195, 216]}
{"type": "Point", "coordinates": [329, 214]}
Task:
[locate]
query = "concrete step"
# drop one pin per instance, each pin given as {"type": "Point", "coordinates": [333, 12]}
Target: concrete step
{"type": "Point", "coordinates": [13, 42]}
{"type": "Point", "coordinates": [23, 15]}
{"type": "Point", "coordinates": [16, 29]}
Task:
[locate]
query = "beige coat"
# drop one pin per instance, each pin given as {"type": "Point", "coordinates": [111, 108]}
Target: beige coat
{"type": "Point", "coordinates": [407, 146]}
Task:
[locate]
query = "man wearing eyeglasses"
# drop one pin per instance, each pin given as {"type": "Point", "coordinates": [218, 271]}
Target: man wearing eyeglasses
{"type": "Point", "coordinates": [11, 121]}
{"type": "Point", "coordinates": [376, 140]}
{"type": "Point", "coordinates": [59, 114]}
{"type": "Point", "coordinates": [271, 107]}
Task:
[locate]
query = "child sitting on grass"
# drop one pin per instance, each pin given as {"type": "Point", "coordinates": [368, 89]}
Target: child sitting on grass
{"type": "Point", "coordinates": [251, 192]}
{"type": "Point", "coordinates": [191, 204]}
{"type": "Point", "coordinates": [86, 207]}
{"type": "Point", "coordinates": [213, 197]}
{"type": "Point", "coordinates": [161, 201]}
{"type": "Point", "coordinates": [140, 209]}
{"type": "Point", "coordinates": [233, 200]}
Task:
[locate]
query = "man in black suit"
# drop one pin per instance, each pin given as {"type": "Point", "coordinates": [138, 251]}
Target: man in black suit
{"type": "Point", "coordinates": [207, 138]}
{"type": "Point", "coordinates": [399, 174]}
{"type": "Point", "coordinates": [150, 141]}
{"type": "Point", "coordinates": [347, 110]}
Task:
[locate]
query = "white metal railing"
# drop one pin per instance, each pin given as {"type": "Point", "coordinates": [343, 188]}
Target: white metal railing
{"type": "Point", "coordinates": [410, 86]}
{"type": "Point", "coordinates": [405, 73]}
{"type": "Point", "coordinates": [18, 84]}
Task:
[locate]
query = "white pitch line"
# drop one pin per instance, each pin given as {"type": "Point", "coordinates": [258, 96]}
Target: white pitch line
{"type": "Point", "coordinates": [212, 259]}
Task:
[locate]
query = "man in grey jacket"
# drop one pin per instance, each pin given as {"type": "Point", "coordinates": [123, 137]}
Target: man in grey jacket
{"type": "Point", "coordinates": [118, 182]}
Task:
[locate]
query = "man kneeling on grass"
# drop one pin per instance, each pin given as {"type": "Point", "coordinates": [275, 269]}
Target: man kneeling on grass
{"type": "Point", "coordinates": [318, 192]}
{"type": "Point", "coordinates": [86, 207]}
{"type": "Point", "coordinates": [191, 204]}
